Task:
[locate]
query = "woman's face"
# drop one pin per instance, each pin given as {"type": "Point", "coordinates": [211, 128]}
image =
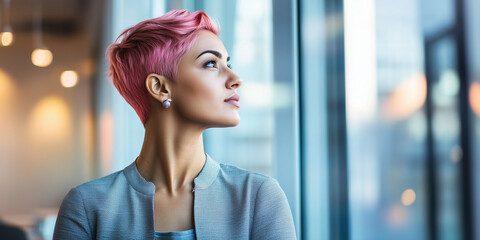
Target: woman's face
{"type": "Point", "coordinates": [205, 83]}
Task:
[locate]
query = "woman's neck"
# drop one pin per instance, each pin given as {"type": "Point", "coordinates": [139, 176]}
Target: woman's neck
{"type": "Point", "coordinates": [172, 155]}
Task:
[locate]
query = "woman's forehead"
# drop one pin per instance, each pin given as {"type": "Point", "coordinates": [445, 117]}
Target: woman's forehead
{"type": "Point", "coordinates": [205, 41]}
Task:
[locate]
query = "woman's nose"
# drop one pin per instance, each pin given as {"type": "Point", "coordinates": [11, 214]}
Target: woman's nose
{"type": "Point", "coordinates": [234, 81]}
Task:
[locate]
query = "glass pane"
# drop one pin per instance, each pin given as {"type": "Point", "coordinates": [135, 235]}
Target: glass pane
{"type": "Point", "coordinates": [315, 159]}
{"type": "Point", "coordinates": [387, 126]}
{"type": "Point", "coordinates": [472, 13]}
{"type": "Point", "coordinates": [448, 153]}
{"type": "Point", "coordinates": [389, 45]}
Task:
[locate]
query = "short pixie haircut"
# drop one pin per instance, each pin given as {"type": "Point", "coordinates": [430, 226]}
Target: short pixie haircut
{"type": "Point", "coordinates": [153, 46]}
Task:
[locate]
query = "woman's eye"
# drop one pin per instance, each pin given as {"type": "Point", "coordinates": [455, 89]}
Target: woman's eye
{"type": "Point", "coordinates": [211, 64]}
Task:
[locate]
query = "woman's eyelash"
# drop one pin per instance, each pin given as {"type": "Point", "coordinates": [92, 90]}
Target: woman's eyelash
{"type": "Point", "coordinates": [208, 64]}
{"type": "Point", "coordinates": [214, 62]}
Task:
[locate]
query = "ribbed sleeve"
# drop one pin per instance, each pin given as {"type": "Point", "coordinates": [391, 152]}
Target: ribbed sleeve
{"type": "Point", "coordinates": [72, 222]}
{"type": "Point", "coordinates": [272, 218]}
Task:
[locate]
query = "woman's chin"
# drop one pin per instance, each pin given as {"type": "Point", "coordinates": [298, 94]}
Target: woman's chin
{"type": "Point", "coordinates": [226, 123]}
{"type": "Point", "coordinates": [232, 123]}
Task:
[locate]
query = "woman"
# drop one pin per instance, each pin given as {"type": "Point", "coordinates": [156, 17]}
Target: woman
{"type": "Point", "coordinates": [174, 71]}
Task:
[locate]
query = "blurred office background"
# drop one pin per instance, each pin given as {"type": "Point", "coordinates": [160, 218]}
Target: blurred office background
{"type": "Point", "coordinates": [367, 112]}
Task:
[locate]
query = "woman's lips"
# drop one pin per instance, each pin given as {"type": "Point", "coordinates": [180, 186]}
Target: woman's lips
{"type": "Point", "coordinates": [234, 100]}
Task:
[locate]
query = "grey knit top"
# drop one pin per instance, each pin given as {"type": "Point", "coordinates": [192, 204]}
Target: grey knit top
{"type": "Point", "coordinates": [229, 203]}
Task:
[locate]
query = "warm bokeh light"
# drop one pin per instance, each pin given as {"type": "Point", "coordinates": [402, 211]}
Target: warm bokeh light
{"type": "Point", "coordinates": [474, 97]}
{"type": "Point", "coordinates": [408, 197]}
{"type": "Point", "coordinates": [407, 98]}
{"type": "Point", "coordinates": [69, 79]}
{"type": "Point", "coordinates": [50, 121]}
{"type": "Point", "coordinates": [6, 90]}
{"type": "Point", "coordinates": [42, 57]}
{"type": "Point", "coordinates": [6, 86]}
{"type": "Point", "coordinates": [6, 38]}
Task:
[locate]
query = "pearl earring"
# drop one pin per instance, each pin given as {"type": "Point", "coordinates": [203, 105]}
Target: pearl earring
{"type": "Point", "coordinates": [166, 103]}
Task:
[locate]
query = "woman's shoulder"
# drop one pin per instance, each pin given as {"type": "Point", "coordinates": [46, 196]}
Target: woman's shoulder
{"type": "Point", "coordinates": [97, 193]}
{"type": "Point", "coordinates": [243, 176]}
{"type": "Point", "coordinates": [271, 215]}
{"type": "Point", "coordinates": [238, 171]}
{"type": "Point", "coordinates": [101, 184]}
{"type": "Point", "coordinates": [249, 188]}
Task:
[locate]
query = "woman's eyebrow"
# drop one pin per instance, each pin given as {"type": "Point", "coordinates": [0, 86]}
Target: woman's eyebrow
{"type": "Point", "coordinates": [216, 53]}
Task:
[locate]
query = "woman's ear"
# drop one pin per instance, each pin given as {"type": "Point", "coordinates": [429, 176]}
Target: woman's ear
{"type": "Point", "coordinates": [158, 87]}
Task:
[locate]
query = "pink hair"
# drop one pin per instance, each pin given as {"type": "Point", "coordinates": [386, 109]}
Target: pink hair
{"type": "Point", "coordinates": [153, 46]}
